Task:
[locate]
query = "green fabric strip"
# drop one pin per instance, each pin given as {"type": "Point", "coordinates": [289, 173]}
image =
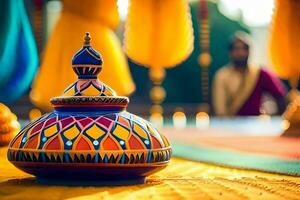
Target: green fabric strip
{"type": "Point", "coordinates": [236, 159]}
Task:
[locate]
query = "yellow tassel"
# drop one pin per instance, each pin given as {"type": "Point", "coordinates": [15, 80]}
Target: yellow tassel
{"type": "Point", "coordinates": [285, 38]}
{"type": "Point", "coordinates": [98, 17]}
{"type": "Point", "coordinates": [158, 33]}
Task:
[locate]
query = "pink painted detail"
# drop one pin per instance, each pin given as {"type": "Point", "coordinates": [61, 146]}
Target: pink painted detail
{"type": "Point", "coordinates": [84, 86]}
{"type": "Point", "coordinates": [97, 84]}
{"type": "Point", "coordinates": [80, 84]}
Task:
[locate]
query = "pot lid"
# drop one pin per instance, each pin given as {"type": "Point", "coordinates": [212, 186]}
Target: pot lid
{"type": "Point", "coordinates": [88, 90]}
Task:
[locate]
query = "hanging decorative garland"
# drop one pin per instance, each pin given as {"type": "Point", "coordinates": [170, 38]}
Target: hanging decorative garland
{"type": "Point", "coordinates": [38, 17]}
{"type": "Point", "coordinates": [204, 59]}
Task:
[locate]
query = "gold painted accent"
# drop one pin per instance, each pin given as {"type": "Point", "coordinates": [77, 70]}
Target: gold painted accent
{"type": "Point", "coordinates": [108, 92]}
{"type": "Point", "coordinates": [50, 130]}
{"type": "Point", "coordinates": [87, 39]}
{"type": "Point", "coordinates": [71, 133]}
{"type": "Point", "coordinates": [86, 65]}
{"type": "Point", "coordinates": [91, 54]}
{"type": "Point", "coordinates": [95, 132]}
{"type": "Point", "coordinates": [70, 92]}
{"type": "Point", "coordinates": [91, 91]}
{"type": "Point", "coordinates": [140, 131]}
{"type": "Point", "coordinates": [121, 132]}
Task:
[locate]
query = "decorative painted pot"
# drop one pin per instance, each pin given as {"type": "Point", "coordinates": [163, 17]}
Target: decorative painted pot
{"type": "Point", "coordinates": [89, 136]}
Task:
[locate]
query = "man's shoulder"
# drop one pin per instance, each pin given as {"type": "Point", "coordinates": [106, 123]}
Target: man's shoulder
{"type": "Point", "coordinates": [224, 71]}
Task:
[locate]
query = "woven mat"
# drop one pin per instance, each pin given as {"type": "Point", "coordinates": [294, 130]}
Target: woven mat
{"type": "Point", "coordinates": [266, 153]}
{"type": "Point", "coordinates": [182, 179]}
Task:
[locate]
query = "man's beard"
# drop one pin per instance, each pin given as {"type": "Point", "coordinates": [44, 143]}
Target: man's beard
{"type": "Point", "coordinates": [240, 62]}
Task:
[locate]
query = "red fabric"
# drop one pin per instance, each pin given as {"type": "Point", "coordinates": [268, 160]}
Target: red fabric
{"type": "Point", "coordinates": [267, 83]}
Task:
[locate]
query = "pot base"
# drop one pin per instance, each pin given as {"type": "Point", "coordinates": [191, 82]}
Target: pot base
{"type": "Point", "coordinates": [84, 174]}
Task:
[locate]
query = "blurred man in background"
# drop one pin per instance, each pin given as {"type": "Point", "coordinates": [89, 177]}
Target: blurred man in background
{"type": "Point", "coordinates": [238, 87]}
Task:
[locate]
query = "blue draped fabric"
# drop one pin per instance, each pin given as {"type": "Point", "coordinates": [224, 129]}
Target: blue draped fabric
{"type": "Point", "coordinates": [18, 52]}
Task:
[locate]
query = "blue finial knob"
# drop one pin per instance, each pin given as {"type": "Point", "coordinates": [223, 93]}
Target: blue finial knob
{"type": "Point", "coordinates": [87, 62]}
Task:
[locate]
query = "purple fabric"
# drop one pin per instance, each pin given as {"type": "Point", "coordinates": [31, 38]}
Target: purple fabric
{"type": "Point", "coordinates": [267, 83]}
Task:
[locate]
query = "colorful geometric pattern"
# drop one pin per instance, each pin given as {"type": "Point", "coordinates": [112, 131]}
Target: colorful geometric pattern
{"type": "Point", "coordinates": [98, 102]}
{"type": "Point", "coordinates": [113, 138]}
{"type": "Point", "coordinates": [91, 87]}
